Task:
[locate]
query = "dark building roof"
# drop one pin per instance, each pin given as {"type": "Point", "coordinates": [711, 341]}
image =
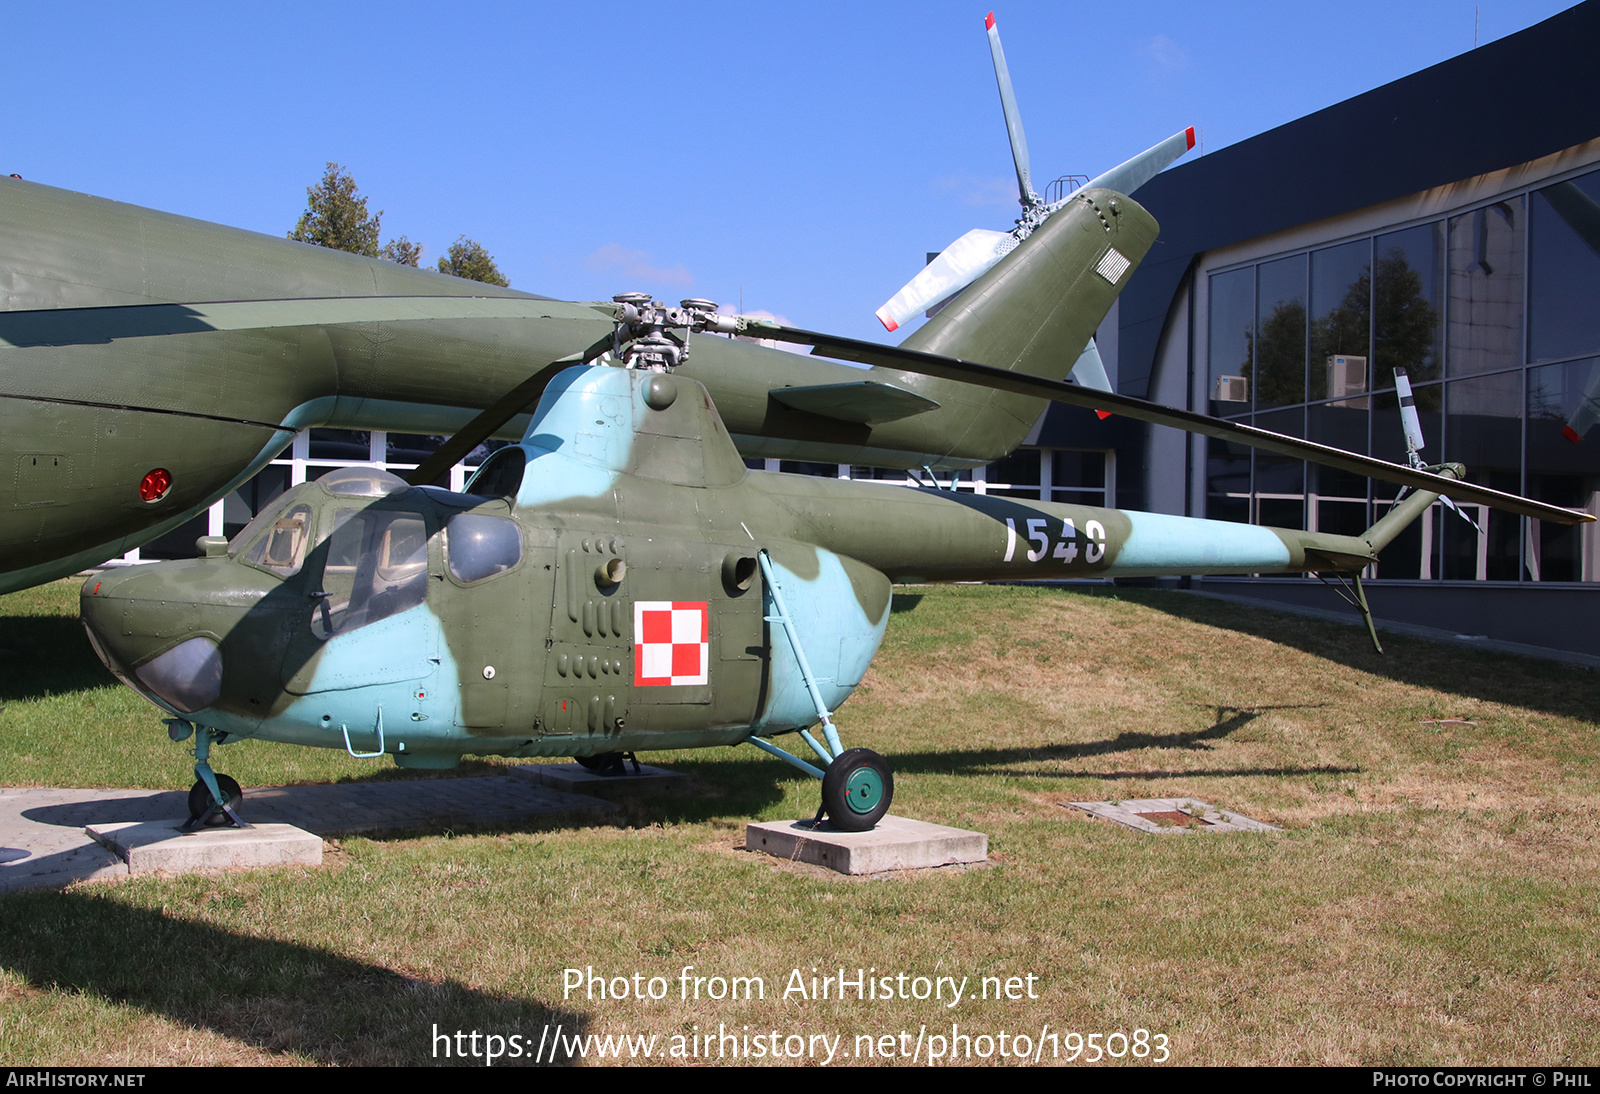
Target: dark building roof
{"type": "Point", "coordinates": [1508, 102]}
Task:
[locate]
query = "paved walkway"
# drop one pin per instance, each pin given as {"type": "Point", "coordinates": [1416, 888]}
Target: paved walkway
{"type": "Point", "coordinates": [43, 844]}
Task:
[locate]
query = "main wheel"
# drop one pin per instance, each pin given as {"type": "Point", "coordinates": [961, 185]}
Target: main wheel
{"type": "Point", "coordinates": [603, 763]}
{"type": "Point", "coordinates": [200, 800]}
{"type": "Point", "coordinates": [857, 789]}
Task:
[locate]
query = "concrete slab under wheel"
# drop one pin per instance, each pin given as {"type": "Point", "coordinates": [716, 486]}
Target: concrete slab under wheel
{"type": "Point", "coordinates": [897, 843]}
{"type": "Point", "coordinates": [43, 842]}
{"type": "Point", "coordinates": [163, 845]}
{"type": "Point", "coordinates": [574, 778]}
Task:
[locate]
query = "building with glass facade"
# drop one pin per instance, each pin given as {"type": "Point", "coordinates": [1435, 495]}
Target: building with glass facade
{"type": "Point", "coordinates": [1447, 224]}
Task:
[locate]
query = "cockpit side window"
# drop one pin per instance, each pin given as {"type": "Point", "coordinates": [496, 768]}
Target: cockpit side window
{"type": "Point", "coordinates": [377, 566]}
{"type": "Point", "coordinates": [282, 548]}
{"type": "Point", "coordinates": [500, 475]}
{"type": "Point", "coordinates": [481, 546]}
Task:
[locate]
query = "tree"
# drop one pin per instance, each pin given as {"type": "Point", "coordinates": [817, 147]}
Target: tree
{"type": "Point", "coordinates": [401, 250]}
{"type": "Point", "coordinates": [336, 216]}
{"type": "Point", "coordinates": [468, 259]}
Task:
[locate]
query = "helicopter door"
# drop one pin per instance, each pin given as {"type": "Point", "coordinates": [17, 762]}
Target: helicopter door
{"type": "Point", "coordinates": [495, 572]}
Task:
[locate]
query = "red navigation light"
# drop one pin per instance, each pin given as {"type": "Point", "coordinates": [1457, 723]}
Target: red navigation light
{"type": "Point", "coordinates": [155, 485]}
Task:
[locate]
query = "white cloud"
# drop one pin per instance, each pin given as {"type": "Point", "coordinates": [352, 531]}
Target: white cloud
{"type": "Point", "coordinates": [1164, 54]}
{"type": "Point", "coordinates": [636, 266]}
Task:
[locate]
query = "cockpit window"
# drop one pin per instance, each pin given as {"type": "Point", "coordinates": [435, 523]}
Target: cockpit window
{"type": "Point", "coordinates": [481, 546]}
{"type": "Point", "coordinates": [283, 547]}
{"type": "Point", "coordinates": [363, 482]}
{"type": "Point", "coordinates": [501, 474]}
{"type": "Point", "coordinates": [377, 566]}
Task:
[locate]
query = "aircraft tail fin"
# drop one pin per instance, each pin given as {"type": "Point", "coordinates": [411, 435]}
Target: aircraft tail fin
{"type": "Point", "coordinates": [1036, 309]}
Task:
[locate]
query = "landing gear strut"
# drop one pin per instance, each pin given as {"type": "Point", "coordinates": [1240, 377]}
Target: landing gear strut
{"type": "Point", "coordinates": [213, 799]}
{"type": "Point", "coordinates": [857, 783]}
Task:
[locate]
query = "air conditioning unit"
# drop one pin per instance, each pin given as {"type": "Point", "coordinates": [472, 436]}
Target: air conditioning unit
{"type": "Point", "coordinates": [1232, 389]}
{"type": "Point", "coordinates": [1347, 376]}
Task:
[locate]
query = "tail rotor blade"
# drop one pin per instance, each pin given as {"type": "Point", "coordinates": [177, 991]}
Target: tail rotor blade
{"type": "Point", "coordinates": [1408, 417]}
{"type": "Point", "coordinates": [1008, 103]}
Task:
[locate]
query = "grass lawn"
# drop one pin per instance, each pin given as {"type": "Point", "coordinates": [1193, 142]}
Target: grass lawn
{"type": "Point", "coordinates": [1435, 898]}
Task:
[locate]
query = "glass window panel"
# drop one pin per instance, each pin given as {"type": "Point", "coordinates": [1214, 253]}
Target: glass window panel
{"type": "Point", "coordinates": [480, 546]}
{"type": "Point", "coordinates": [1279, 371]}
{"type": "Point", "coordinates": [1409, 319]}
{"type": "Point", "coordinates": [1280, 481]}
{"type": "Point", "coordinates": [1342, 424]}
{"type": "Point", "coordinates": [352, 445]}
{"type": "Point", "coordinates": [1485, 309]}
{"type": "Point", "coordinates": [1563, 468]}
{"type": "Point", "coordinates": [1564, 270]}
{"type": "Point", "coordinates": [1232, 326]}
{"type": "Point", "coordinates": [410, 447]}
{"type": "Point", "coordinates": [1078, 470]}
{"type": "Point", "coordinates": [1227, 481]}
{"type": "Point", "coordinates": [1020, 470]}
{"type": "Point", "coordinates": [1483, 430]}
{"type": "Point", "coordinates": [376, 566]}
{"type": "Point", "coordinates": [1341, 518]}
{"type": "Point", "coordinates": [1341, 327]}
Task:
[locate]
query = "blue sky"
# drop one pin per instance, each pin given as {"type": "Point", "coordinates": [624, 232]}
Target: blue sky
{"type": "Point", "coordinates": [804, 155]}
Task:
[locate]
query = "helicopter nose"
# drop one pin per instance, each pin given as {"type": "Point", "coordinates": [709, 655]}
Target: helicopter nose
{"type": "Point", "coordinates": [148, 641]}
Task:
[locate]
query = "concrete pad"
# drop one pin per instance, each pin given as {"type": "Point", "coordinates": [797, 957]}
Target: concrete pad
{"type": "Point", "coordinates": [161, 845]}
{"type": "Point", "coordinates": [897, 843]}
{"type": "Point", "coordinates": [1210, 819]}
{"type": "Point", "coordinates": [43, 842]}
{"type": "Point", "coordinates": [574, 778]}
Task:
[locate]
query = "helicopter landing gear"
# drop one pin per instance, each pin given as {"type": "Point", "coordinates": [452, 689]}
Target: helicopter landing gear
{"type": "Point", "coordinates": [213, 799]}
{"type": "Point", "coordinates": [609, 763]}
{"type": "Point", "coordinates": [857, 789]}
{"type": "Point", "coordinates": [204, 811]}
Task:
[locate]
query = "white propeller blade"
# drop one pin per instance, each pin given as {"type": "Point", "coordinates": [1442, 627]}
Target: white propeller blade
{"type": "Point", "coordinates": [957, 266]}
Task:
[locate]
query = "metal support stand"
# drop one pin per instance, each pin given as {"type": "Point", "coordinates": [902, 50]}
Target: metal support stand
{"type": "Point", "coordinates": [1357, 597]}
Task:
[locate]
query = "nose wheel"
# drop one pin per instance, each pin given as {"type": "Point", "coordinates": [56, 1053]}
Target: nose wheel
{"type": "Point", "coordinates": [204, 809]}
{"type": "Point", "coordinates": [857, 789]}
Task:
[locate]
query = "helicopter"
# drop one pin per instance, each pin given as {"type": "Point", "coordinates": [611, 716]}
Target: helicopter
{"type": "Point", "coordinates": [619, 580]}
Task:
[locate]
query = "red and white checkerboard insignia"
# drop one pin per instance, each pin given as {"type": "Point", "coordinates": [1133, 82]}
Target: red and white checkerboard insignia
{"type": "Point", "coordinates": [671, 642]}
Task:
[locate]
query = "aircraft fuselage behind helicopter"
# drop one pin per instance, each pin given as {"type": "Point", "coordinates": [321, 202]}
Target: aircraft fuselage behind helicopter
{"type": "Point", "coordinates": [150, 363]}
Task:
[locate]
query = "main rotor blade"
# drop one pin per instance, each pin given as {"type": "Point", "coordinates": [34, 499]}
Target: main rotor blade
{"type": "Point", "coordinates": [928, 364]}
{"type": "Point", "coordinates": [1128, 176]}
{"type": "Point", "coordinates": [501, 411]}
{"type": "Point", "coordinates": [956, 267]}
{"type": "Point", "coordinates": [1008, 103]}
